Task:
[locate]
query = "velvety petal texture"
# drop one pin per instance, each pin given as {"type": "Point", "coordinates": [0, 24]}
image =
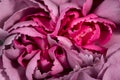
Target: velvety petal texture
{"type": "Point", "coordinates": [59, 40]}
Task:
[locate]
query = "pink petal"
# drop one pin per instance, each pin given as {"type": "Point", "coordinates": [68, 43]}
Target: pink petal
{"type": "Point", "coordinates": [12, 53]}
{"type": "Point", "coordinates": [10, 70]}
{"type": "Point", "coordinates": [22, 24]}
{"type": "Point", "coordinates": [73, 58]}
{"type": "Point", "coordinates": [52, 8]}
{"type": "Point", "coordinates": [115, 39]}
{"type": "Point", "coordinates": [8, 7]}
{"type": "Point", "coordinates": [109, 9]}
{"type": "Point", "coordinates": [112, 73]}
{"type": "Point", "coordinates": [87, 6]}
{"type": "Point", "coordinates": [28, 31]}
{"type": "Point", "coordinates": [17, 16]}
{"type": "Point", "coordinates": [58, 2]}
{"type": "Point", "coordinates": [57, 67]}
{"type": "Point", "coordinates": [31, 66]}
{"type": "Point", "coordinates": [78, 2]}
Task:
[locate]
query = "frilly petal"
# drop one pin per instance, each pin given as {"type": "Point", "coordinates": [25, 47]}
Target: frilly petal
{"type": "Point", "coordinates": [31, 66]}
{"type": "Point", "coordinates": [109, 9]}
{"type": "Point", "coordinates": [28, 31]}
{"type": "Point", "coordinates": [48, 6]}
{"type": "Point", "coordinates": [18, 15]}
{"type": "Point", "coordinates": [8, 7]}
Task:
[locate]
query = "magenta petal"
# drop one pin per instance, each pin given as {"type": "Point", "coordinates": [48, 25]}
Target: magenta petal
{"type": "Point", "coordinates": [94, 47]}
{"type": "Point", "coordinates": [109, 9]}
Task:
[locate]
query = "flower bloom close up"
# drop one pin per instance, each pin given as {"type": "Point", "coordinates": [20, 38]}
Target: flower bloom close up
{"type": "Point", "coordinates": [58, 40]}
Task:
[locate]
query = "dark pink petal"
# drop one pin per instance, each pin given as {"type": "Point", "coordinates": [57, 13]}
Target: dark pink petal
{"type": "Point", "coordinates": [94, 47]}
{"type": "Point", "coordinates": [109, 9]}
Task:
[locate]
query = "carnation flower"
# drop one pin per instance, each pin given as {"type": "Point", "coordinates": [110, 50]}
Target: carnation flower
{"type": "Point", "coordinates": [58, 40]}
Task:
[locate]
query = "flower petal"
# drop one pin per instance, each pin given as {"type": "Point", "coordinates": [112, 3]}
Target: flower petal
{"type": "Point", "coordinates": [112, 73]}
{"type": "Point", "coordinates": [87, 7]}
{"type": "Point", "coordinates": [10, 70]}
{"type": "Point", "coordinates": [31, 66]}
{"type": "Point", "coordinates": [109, 9]}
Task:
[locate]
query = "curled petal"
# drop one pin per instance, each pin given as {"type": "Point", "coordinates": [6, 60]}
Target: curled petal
{"type": "Point", "coordinates": [28, 31]}
{"type": "Point", "coordinates": [31, 66]}
{"type": "Point", "coordinates": [87, 7]}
